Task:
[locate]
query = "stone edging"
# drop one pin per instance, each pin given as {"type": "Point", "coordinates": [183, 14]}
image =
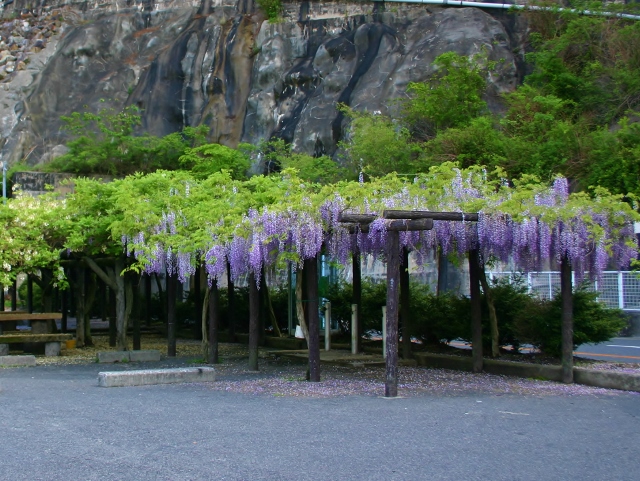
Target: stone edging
{"type": "Point", "coordinates": [589, 377]}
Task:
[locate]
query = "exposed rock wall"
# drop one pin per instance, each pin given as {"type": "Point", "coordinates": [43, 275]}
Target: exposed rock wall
{"type": "Point", "coordinates": [221, 64]}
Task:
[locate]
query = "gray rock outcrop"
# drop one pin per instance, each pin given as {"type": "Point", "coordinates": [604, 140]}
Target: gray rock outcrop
{"type": "Point", "coordinates": [223, 65]}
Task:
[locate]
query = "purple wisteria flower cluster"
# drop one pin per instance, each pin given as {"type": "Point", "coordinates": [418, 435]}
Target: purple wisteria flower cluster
{"type": "Point", "coordinates": [547, 226]}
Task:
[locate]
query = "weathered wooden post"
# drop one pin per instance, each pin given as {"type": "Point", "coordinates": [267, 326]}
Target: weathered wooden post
{"type": "Point", "coordinates": [566, 293]}
{"type": "Point", "coordinates": [393, 298]}
{"type": "Point", "coordinates": [254, 321]}
{"type": "Point", "coordinates": [476, 310]}
{"type": "Point", "coordinates": [310, 270]}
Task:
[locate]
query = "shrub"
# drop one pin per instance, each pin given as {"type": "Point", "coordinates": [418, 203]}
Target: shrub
{"type": "Point", "coordinates": [540, 324]}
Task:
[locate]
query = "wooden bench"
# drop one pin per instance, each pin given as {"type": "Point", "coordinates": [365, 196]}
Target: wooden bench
{"type": "Point", "coordinates": [40, 331]}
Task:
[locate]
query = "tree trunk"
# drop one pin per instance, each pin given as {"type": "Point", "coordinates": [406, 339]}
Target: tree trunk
{"type": "Point", "coordinates": [162, 298]}
{"type": "Point", "coordinates": [147, 300]}
{"type": "Point", "coordinates": [405, 311]}
{"type": "Point", "coordinates": [311, 277]}
{"type": "Point", "coordinates": [214, 322]}
{"type": "Point", "coordinates": [197, 300]}
{"type": "Point", "coordinates": [254, 308]}
{"type": "Point", "coordinates": [566, 292]}
{"type": "Point", "coordinates": [133, 307]}
{"type": "Point", "coordinates": [357, 296]}
{"type": "Point", "coordinates": [113, 278]}
{"type": "Point", "coordinates": [171, 315]}
{"type": "Point", "coordinates": [90, 297]}
{"type": "Point", "coordinates": [121, 305]}
{"type": "Point", "coordinates": [79, 288]}
{"type": "Point", "coordinates": [231, 306]}
{"type": "Point", "coordinates": [204, 321]}
{"type": "Point", "coordinates": [300, 306]}
{"type": "Point", "coordinates": [493, 317]}
{"type": "Point", "coordinates": [113, 318]}
{"type": "Point", "coordinates": [269, 306]}
{"type": "Point", "coordinates": [393, 295]}
{"type": "Point", "coordinates": [476, 310]}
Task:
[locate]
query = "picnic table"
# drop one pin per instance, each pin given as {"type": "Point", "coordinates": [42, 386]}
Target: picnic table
{"type": "Point", "coordinates": [41, 332]}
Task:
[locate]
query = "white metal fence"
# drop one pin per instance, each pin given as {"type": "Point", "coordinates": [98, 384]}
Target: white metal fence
{"type": "Point", "coordinates": [619, 289]}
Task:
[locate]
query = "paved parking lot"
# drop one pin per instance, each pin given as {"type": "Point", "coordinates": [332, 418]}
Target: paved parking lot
{"type": "Point", "coordinates": [57, 424]}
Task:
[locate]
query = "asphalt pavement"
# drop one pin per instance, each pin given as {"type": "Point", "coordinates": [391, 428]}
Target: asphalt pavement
{"type": "Point", "coordinates": [56, 423]}
{"type": "Point", "coordinates": [618, 349]}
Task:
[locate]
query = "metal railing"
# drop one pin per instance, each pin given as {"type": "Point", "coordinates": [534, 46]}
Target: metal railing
{"type": "Point", "coordinates": [616, 289]}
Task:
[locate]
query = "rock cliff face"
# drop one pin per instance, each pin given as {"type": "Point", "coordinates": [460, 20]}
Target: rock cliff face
{"type": "Point", "coordinates": [220, 63]}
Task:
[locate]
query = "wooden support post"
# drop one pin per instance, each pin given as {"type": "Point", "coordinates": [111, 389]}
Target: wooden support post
{"type": "Point", "coordinates": [214, 322]}
{"type": "Point", "coordinates": [1, 298]}
{"type": "Point", "coordinates": [311, 276]}
{"type": "Point", "coordinates": [356, 338]}
{"type": "Point", "coordinates": [405, 311]}
{"type": "Point", "coordinates": [476, 310]}
{"type": "Point", "coordinates": [566, 292]}
{"type": "Point", "coordinates": [172, 282]}
{"type": "Point", "coordinates": [254, 321]}
{"type": "Point", "coordinates": [327, 326]}
{"type": "Point", "coordinates": [393, 298]}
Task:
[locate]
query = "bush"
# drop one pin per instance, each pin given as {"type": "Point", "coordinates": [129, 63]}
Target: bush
{"type": "Point", "coordinates": [540, 324]}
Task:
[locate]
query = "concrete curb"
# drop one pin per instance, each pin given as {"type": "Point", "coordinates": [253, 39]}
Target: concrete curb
{"type": "Point", "coordinates": [156, 376]}
{"type": "Point", "coordinates": [25, 360]}
{"type": "Point", "coordinates": [589, 377]}
{"type": "Point", "coordinates": [106, 357]}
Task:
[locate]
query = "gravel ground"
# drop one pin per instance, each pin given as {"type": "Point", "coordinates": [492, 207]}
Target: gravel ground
{"type": "Point", "coordinates": [286, 378]}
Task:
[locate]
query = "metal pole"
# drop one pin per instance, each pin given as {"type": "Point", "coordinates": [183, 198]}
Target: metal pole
{"type": "Point", "coordinates": [384, 331]}
{"type": "Point", "coordinates": [327, 326]}
{"type": "Point", "coordinates": [4, 182]}
{"type": "Point", "coordinates": [354, 328]}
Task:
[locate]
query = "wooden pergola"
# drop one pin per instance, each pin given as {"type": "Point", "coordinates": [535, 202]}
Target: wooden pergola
{"type": "Point", "coordinates": [397, 221]}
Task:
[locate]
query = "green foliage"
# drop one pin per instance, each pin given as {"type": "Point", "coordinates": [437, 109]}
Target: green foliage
{"type": "Point", "coordinates": [540, 323]}
{"type": "Point", "coordinates": [378, 145]}
{"type": "Point", "coordinates": [272, 8]}
{"type": "Point", "coordinates": [321, 170]}
{"type": "Point", "coordinates": [450, 98]}
{"type": "Point", "coordinates": [208, 159]}
{"type": "Point", "coordinates": [104, 143]}
{"type": "Point", "coordinates": [593, 62]}
{"type": "Point", "coordinates": [439, 318]}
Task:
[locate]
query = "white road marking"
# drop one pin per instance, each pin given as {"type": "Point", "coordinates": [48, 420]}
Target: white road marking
{"type": "Point", "coordinates": [622, 345]}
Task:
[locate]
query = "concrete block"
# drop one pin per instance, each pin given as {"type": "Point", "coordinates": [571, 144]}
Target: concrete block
{"type": "Point", "coordinates": [144, 356]}
{"type": "Point", "coordinates": [52, 349]}
{"type": "Point", "coordinates": [17, 360]}
{"type": "Point", "coordinates": [156, 376]}
{"type": "Point", "coordinates": [607, 379]}
{"type": "Point", "coordinates": [4, 349]}
{"type": "Point", "coordinates": [113, 356]}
